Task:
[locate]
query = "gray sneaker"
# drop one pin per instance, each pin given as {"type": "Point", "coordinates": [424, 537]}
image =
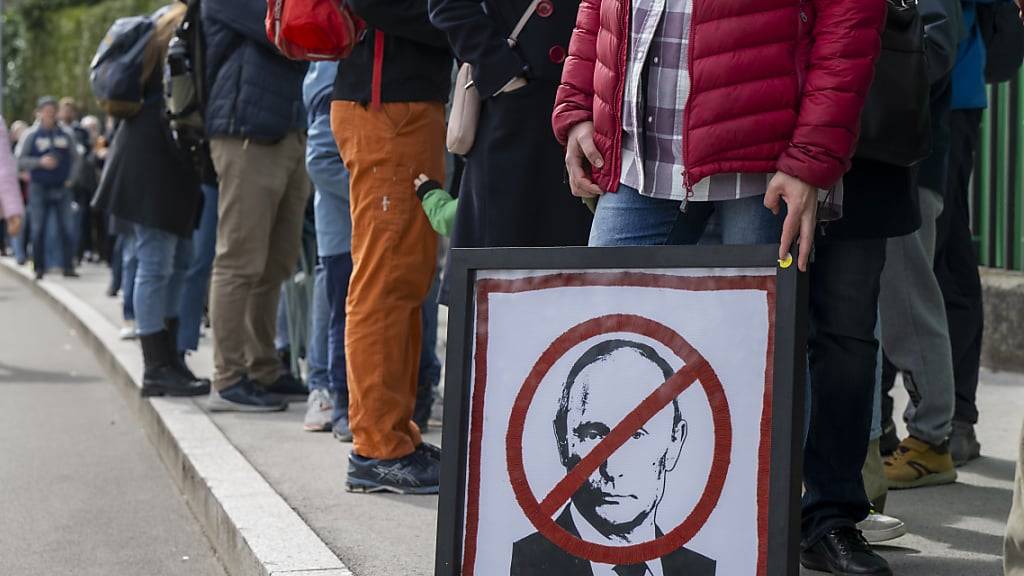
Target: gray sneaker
{"type": "Point", "coordinates": [319, 408]}
{"type": "Point", "coordinates": [881, 528]}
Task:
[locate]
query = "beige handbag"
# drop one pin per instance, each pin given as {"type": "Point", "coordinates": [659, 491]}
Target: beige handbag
{"type": "Point", "coordinates": [465, 115]}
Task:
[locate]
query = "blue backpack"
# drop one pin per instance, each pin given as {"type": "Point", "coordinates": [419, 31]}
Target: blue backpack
{"type": "Point", "coordinates": [131, 51]}
{"type": "Point", "coordinates": [117, 72]}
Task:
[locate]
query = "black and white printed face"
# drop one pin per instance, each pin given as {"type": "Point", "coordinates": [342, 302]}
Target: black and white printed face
{"type": "Point", "coordinates": [623, 494]}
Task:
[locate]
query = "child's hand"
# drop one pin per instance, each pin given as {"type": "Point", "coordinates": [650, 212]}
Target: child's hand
{"type": "Point", "coordinates": [419, 181]}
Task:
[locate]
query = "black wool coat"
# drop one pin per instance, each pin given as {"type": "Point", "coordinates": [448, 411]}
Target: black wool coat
{"type": "Point", "coordinates": [514, 191]}
{"type": "Point", "coordinates": [147, 179]}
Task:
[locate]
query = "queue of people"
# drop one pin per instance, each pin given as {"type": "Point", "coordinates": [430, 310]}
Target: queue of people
{"type": "Point", "coordinates": [677, 115]}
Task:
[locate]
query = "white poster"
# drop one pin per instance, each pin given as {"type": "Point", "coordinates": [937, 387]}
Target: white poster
{"type": "Point", "coordinates": [620, 423]}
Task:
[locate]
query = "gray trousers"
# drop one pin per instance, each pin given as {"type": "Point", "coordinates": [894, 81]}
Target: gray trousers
{"type": "Point", "coordinates": [915, 335]}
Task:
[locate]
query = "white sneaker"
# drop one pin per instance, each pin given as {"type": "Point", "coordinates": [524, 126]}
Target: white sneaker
{"type": "Point", "coordinates": [128, 331]}
{"type": "Point", "coordinates": [881, 528]}
{"type": "Point", "coordinates": [319, 411]}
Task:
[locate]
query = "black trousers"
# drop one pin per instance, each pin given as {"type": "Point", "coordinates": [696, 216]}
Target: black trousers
{"type": "Point", "coordinates": [956, 265]}
{"type": "Point", "coordinates": [842, 355]}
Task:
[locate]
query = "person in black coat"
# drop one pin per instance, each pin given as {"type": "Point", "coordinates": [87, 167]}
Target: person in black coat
{"type": "Point", "coordinates": [514, 191]}
{"type": "Point", "coordinates": [149, 183]}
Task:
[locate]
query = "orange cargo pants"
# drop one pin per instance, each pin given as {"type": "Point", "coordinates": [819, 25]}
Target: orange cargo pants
{"type": "Point", "coordinates": [393, 255]}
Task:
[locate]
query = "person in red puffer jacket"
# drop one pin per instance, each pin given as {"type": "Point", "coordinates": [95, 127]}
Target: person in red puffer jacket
{"type": "Point", "coordinates": [672, 111]}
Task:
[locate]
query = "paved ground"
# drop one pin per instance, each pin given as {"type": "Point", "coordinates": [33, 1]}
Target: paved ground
{"type": "Point", "coordinates": [83, 491]}
{"type": "Point", "coordinates": [956, 529]}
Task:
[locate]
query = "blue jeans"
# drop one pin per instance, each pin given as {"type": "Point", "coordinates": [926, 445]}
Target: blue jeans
{"type": "Point", "coordinates": [628, 218]}
{"type": "Point", "coordinates": [197, 279]}
{"type": "Point", "coordinates": [129, 269]}
{"type": "Point", "coordinates": [320, 321]}
{"type": "Point", "coordinates": [337, 271]}
{"type": "Point", "coordinates": [430, 365]}
{"type": "Point", "coordinates": [42, 201]}
{"type": "Point", "coordinates": [163, 260]}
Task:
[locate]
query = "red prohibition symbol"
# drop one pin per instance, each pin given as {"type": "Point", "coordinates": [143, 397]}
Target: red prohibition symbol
{"type": "Point", "coordinates": [696, 369]}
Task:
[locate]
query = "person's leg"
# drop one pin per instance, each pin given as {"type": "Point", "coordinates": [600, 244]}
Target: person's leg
{"type": "Point", "coordinates": [394, 251]}
{"type": "Point", "coordinates": [116, 267]}
{"type": "Point", "coordinates": [844, 285]}
{"type": "Point", "coordinates": [156, 250]}
{"type": "Point", "coordinates": [251, 185]}
{"type": "Point", "coordinates": [282, 338]}
{"type": "Point", "coordinates": [338, 271]}
{"type": "Point", "coordinates": [1013, 545]}
{"type": "Point", "coordinates": [430, 365]}
{"type": "Point", "coordinates": [197, 279]}
{"type": "Point", "coordinates": [20, 240]}
{"type": "Point", "coordinates": [914, 331]}
{"type": "Point", "coordinates": [184, 254]}
{"type": "Point", "coordinates": [130, 267]}
{"type": "Point", "coordinates": [628, 218]}
{"type": "Point", "coordinates": [39, 212]}
{"type": "Point", "coordinates": [956, 268]}
{"type": "Point", "coordinates": [66, 228]}
{"type": "Point", "coordinates": [747, 221]}
{"type": "Point", "coordinates": [281, 258]}
{"type": "Point", "coordinates": [320, 405]}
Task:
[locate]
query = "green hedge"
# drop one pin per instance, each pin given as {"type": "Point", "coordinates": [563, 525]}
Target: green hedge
{"type": "Point", "coordinates": [48, 45]}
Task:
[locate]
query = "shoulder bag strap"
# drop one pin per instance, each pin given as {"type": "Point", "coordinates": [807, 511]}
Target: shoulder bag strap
{"type": "Point", "coordinates": [512, 39]}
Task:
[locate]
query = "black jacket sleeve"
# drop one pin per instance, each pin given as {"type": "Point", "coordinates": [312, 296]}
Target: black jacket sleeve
{"type": "Point", "coordinates": [943, 20]}
{"type": "Point", "coordinates": [405, 18]}
{"type": "Point", "coordinates": [244, 17]}
{"type": "Point", "coordinates": [477, 39]}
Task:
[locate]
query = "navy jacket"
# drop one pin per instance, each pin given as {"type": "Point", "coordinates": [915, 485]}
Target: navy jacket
{"type": "Point", "coordinates": [254, 91]}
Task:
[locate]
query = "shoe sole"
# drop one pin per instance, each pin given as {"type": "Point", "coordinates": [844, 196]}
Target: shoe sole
{"type": "Point", "coordinates": [822, 566]}
{"type": "Point", "coordinates": [345, 438]}
{"type": "Point", "coordinates": [937, 479]}
{"type": "Point", "coordinates": [879, 536]}
{"type": "Point", "coordinates": [225, 406]}
{"type": "Point", "coordinates": [366, 487]}
{"type": "Point", "coordinates": [172, 392]}
{"type": "Point", "coordinates": [326, 427]}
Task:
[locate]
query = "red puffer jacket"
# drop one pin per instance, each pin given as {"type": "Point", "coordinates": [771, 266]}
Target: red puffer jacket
{"type": "Point", "coordinates": [776, 85]}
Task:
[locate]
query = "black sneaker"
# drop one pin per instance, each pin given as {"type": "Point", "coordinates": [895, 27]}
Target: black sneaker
{"type": "Point", "coordinates": [341, 431]}
{"type": "Point", "coordinates": [843, 551]}
{"type": "Point", "coordinates": [244, 396]}
{"type": "Point", "coordinates": [429, 450]}
{"type": "Point", "coordinates": [963, 444]}
{"type": "Point", "coordinates": [288, 385]}
{"type": "Point", "coordinates": [412, 474]}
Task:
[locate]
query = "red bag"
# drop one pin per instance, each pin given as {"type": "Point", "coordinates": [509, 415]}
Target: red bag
{"type": "Point", "coordinates": [313, 29]}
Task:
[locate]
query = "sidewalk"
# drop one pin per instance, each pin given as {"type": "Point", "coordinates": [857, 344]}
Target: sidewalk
{"type": "Point", "coordinates": [956, 530]}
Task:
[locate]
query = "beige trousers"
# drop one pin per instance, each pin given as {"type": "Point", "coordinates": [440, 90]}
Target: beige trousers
{"type": "Point", "coordinates": [263, 192]}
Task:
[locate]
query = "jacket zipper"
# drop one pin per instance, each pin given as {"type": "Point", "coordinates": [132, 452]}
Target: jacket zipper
{"type": "Point", "coordinates": [624, 11]}
{"type": "Point", "coordinates": [687, 180]}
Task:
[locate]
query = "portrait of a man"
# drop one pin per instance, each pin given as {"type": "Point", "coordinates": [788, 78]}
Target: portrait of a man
{"type": "Point", "coordinates": [618, 504]}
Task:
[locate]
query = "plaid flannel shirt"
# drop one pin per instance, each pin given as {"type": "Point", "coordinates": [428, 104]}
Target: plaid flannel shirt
{"type": "Point", "coordinates": [652, 119]}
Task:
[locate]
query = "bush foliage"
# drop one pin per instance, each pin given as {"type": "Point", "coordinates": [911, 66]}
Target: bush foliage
{"type": "Point", "coordinates": [48, 44]}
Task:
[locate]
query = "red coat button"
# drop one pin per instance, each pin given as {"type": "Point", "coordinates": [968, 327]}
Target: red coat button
{"type": "Point", "coordinates": [545, 8]}
{"type": "Point", "coordinates": [556, 54]}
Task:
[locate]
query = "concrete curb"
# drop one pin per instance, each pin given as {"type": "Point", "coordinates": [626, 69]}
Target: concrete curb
{"type": "Point", "coordinates": [253, 530]}
{"type": "Point", "coordinates": [1003, 341]}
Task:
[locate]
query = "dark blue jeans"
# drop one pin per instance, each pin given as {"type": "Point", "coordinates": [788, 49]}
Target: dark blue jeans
{"type": "Point", "coordinates": [42, 200]}
{"type": "Point", "coordinates": [197, 279]}
{"type": "Point", "coordinates": [843, 355]}
{"type": "Point", "coordinates": [430, 365]}
{"type": "Point", "coordinates": [337, 271]}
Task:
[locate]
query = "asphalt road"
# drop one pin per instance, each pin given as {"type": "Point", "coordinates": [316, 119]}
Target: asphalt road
{"type": "Point", "coordinates": [82, 491]}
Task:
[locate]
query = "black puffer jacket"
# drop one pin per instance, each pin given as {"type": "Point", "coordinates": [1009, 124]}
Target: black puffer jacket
{"type": "Point", "coordinates": [417, 62]}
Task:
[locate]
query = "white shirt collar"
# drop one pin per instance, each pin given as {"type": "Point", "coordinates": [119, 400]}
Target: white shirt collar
{"type": "Point", "coordinates": [590, 534]}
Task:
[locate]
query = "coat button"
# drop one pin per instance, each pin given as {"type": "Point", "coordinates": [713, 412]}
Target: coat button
{"type": "Point", "coordinates": [556, 54]}
{"type": "Point", "coordinates": [545, 8]}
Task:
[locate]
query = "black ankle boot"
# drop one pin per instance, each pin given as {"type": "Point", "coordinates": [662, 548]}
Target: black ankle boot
{"type": "Point", "coordinates": [161, 377]}
{"type": "Point", "coordinates": [178, 358]}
